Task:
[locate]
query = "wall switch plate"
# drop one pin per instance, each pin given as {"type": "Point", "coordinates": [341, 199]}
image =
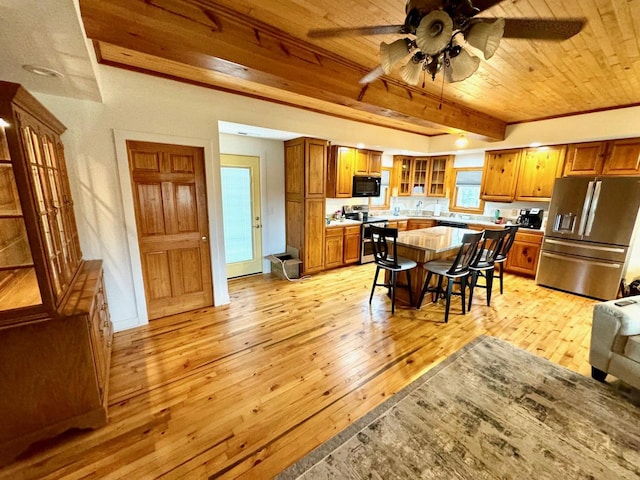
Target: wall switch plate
{"type": "Point", "coordinates": [514, 212]}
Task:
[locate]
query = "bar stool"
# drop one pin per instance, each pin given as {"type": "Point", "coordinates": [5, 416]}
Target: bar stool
{"type": "Point", "coordinates": [483, 264]}
{"type": "Point", "coordinates": [389, 260]}
{"type": "Point", "coordinates": [456, 272]}
{"type": "Point", "coordinates": [501, 258]}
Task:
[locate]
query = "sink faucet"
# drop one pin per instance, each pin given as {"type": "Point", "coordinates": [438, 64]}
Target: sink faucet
{"type": "Point", "coordinates": [419, 205]}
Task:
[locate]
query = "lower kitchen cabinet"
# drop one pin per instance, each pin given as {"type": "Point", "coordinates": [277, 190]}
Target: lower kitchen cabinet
{"type": "Point", "coordinates": [524, 254]}
{"type": "Point", "coordinates": [401, 225]}
{"type": "Point", "coordinates": [415, 224]}
{"type": "Point", "coordinates": [341, 246]}
{"type": "Point", "coordinates": [351, 245]}
{"type": "Point", "coordinates": [333, 247]}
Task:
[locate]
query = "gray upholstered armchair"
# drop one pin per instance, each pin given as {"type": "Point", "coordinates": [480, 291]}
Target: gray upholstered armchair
{"type": "Point", "coordinates": [615, 341]}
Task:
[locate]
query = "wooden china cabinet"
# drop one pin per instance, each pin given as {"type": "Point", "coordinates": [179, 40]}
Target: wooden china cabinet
{"type": "Point", "coordinates": [55, 330]}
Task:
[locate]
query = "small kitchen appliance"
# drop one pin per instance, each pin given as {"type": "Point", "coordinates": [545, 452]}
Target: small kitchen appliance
{"type": "Point", "coordinates": [530, 218]}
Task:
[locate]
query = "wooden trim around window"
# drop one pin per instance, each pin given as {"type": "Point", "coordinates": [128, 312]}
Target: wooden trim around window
{"type": "Point", "coordinates": [454, 192]}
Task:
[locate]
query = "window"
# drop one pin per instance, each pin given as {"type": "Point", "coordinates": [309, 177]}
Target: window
{"type": "Point", "coordinates": [382, 202]}
{"type": "Point", "coordinates": [466, 191]}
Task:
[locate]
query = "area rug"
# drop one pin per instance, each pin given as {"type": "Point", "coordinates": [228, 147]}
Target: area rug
{"type": "Point", "coordinates": [489, 411]}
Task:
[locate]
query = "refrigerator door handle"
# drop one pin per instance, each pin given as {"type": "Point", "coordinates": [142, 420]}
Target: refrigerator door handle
{"type": "Point", "coordinates": [581, 260]}
{"type": "Point", "coordinates": [585, 208]}
{"type": "Point", "coordinates": [594, 206]}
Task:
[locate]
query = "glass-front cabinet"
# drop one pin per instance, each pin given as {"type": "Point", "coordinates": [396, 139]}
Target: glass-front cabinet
{"type": "Point", "coordinates": [39, 247]}
{"type": "Point", "coordinates": [18, 284]}
{"type": "Point", "coordinates": [55, 329]}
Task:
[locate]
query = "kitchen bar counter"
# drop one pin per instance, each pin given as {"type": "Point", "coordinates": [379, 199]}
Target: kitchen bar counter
{"type": "Point", "coordinates": [422, 246]}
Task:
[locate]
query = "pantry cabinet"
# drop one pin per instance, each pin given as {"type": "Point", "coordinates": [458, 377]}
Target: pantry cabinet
{"type": "Point", "coordinates": [305, 174]}
{"type": "Point", "coordinates": [55, 330]}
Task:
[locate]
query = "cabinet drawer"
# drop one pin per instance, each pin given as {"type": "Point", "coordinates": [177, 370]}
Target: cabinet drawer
{"type": "Point", "coordinates": [529, 237]}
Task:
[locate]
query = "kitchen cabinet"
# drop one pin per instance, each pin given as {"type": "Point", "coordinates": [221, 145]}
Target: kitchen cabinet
{"type": "Point", "coordinates": [305, 174]}
{"type": "Point", "coordinates": [342, 246]}
{"type": "Point", "coordinates": [615, 157]}
{"type": "Point", "coordinates": [334, 247]}
{"type": "Point", "coordinates": [402, 175]}
{"type": "Point", "coordinates": [416, 223]}
{"type": "Point", "coordinates": [524, 254]}
{"type": "Point", "coordinates": [439, 172]}
{"type": "Point", "coordinates": [368, 162]}
{"type": "Point", "coordinates": [499, 175]}
{"type": "Point", "coordinates": [351, 245]}
{"type": "Point", "coordinates": [55, 330]}
{"type": "Point", "coordinates": [539, 168]}
{"type": "Point", "coordinates": [340, 172]}
{"type": "Point", "coordinates": [401, 225]}
{"type": "Point", "coordinates": [426, 176]}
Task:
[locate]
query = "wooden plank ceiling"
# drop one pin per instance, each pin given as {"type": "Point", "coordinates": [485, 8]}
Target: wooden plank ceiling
{"type": "Point", "coordinates": [260, 48]}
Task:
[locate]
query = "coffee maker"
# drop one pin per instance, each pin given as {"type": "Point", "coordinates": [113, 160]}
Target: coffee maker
{"type": "Point", "coordinates": [530, 218]}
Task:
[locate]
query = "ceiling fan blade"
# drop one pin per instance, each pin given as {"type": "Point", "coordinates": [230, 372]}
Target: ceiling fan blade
{"type": "Point", "coordinates": [351, 31]}
{"type": "Point", "coordinates": [543, 29]}
{"type": "Point", "coordinates": [373, 75]}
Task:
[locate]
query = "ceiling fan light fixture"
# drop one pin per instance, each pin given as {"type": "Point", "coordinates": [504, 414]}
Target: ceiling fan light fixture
{"type": "Point", "coordinates": [461, 66]}
{"type": "Point", "coordinates": [392, 53]}
{"type": "Point", "coordinates": [410, 72]}
{"type": "Point", "coordinates": [485, 35]}
{"type": "Point", "coordinates": [462, 141]}
{"type": "Point", "coordinates": [434, 32]}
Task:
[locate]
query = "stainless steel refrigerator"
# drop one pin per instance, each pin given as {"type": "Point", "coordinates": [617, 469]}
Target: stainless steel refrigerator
{"type": "Point", "coordinates": [589, 230]}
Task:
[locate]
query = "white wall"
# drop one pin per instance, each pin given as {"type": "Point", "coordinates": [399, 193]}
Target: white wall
{"type": "Point", "coordinates": [271, 153]}
{"type": "Point", "coordinates": [150, 107]}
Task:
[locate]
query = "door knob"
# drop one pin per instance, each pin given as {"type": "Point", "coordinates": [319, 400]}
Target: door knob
{"type": "Point", "coordinates": [204, 238]}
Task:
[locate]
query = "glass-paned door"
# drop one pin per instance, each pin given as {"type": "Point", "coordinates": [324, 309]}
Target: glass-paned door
{"type": "Point", "coordinates": [242, 215]}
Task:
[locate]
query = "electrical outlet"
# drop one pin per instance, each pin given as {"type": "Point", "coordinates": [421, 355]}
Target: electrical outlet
{"type": "Point", "coordinates": [514, 212]}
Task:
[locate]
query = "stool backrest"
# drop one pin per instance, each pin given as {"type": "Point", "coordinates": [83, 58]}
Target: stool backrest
{"type": "Point", "coordinates": [381, 237]}
{"type": "Point", "coordinates": [491, 245]}
{"type": "Point", "coordinates": [467, 253]}
{"type": "Point", "coordinates": [508, 241]}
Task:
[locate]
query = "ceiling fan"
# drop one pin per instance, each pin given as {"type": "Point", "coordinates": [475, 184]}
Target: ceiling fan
{"type": "Point", "coordinates": [439, 29]}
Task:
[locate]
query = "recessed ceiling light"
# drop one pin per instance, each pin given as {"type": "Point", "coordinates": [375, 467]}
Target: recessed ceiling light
{"type": "Point", "coordinates": [3, 122]}
{"type": "Point", "coordinates": [360, 145]}
{"type": "Point", "coordinates": [535, 144]}
{"type": "Point", "coordinates": [43, 71]}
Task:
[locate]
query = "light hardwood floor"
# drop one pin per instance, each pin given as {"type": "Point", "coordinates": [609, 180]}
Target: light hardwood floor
{"type": "Point", "coordinates": [244, 390]}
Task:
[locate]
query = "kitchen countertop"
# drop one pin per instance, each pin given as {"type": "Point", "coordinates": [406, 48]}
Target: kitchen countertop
{"type": "Point", "coordinates": [433, 239]}
{"type": "Point", "coordinates": [468, 221]}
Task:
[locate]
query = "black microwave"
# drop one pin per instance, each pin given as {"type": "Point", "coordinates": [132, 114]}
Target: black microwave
{"type": "Point", "coordinates": [365, 186]}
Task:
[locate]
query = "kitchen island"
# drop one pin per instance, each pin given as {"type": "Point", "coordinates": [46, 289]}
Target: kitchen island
{"type": "Point", "coordinates": [422, 246]}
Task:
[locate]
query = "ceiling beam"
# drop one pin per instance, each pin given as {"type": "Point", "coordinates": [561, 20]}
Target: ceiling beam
{"type": "Point", "coordinates": [203, 35]}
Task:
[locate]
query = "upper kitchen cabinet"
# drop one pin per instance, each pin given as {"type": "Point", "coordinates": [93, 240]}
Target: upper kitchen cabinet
{"type": "Point", "coordinates": [402, 175]}
{"type": "Point", "coordinates": [623, 157]}
{"type": "Point", "coordinates": [340, 172]}
{"type": "Point", "coordinates": [305, 167]}
{"type": "Point", "coordinates": [422, 175]}
{"type": "Point", "coordinates": [539, 168]}
{"type": "Point", "coordinates": [439, 172]}
{"type": "Point", "coordinates": [500, 175]}
{"type": "Point", "coordinates": [584, 158]}
{"type": "Point", "coordinates": [305, 160]}
{"type": "Point", "coordinates": [368, 162]}
{"type": "Point", "coordinates": [616, 157]}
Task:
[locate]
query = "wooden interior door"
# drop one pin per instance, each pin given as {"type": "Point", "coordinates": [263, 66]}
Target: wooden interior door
{"type": "Point", "coordinates": [171, 215]}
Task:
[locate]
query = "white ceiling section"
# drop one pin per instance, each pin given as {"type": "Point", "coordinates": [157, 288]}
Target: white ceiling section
{"type": "Point", "coordinates": [46, 33]}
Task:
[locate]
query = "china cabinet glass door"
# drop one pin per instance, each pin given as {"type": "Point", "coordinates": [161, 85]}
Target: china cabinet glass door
{"type": "Point", "coordinates": [18, 282]}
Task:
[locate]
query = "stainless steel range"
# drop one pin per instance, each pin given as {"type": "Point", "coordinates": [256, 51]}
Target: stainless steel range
{"type": "Point", "coordinates": [361, 213]}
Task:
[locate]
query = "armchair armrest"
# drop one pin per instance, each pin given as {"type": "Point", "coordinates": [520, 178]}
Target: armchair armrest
{"type": "Point", "coordinates": [611, 327]}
